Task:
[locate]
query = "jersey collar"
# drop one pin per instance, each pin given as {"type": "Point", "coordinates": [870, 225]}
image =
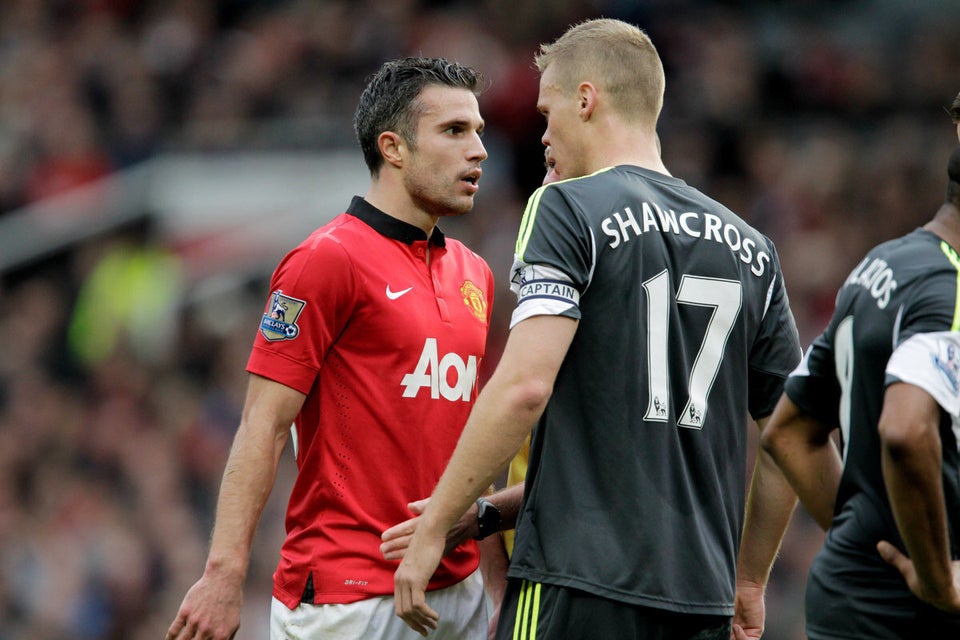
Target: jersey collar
{"type": "Point", "coordinates": [391, 227]}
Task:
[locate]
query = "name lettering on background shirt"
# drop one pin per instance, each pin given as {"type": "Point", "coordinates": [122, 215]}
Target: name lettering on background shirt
{"type": "Point", "coordinates": [622, 226]}
{"type": "Point", "coordinates": [876, 277]}
{"type": "Point", "coordinates": [434, 373]}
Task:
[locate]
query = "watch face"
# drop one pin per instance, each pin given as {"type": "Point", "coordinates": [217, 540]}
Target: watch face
{"type": "Point", "coordinates": [488, 518]}
{"type": "Point", "coordinates": [489, 515]}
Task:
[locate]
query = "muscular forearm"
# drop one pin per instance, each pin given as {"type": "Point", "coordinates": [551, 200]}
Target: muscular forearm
{"type": "Point", "coordinates": [247, 481]}
{"type": "Point", "coordinates": [918, 508]}
{"type": "Point", "coordinates": [912, 462]}
{"type": "Point", "coordinates": [509, 405]}
{"type": "Point", "coordinates": [493, 435]}
{"type": "Point", "coordinates": [802, 448]}
{"type": "Point", "coordinates": [211, 608]}
{"type": "Point", "coordinates": [493, 565]}
{"type": "Point", "coordinates": [508, 502]}
{"type": "Point", "coordinates": [912, 476]}
{"type": "Point", "coordinates": [770, 506]}
{"type": "Point", "coordinates": [817, 480]}
{"type": "Point", "coordinates": [503, 416]}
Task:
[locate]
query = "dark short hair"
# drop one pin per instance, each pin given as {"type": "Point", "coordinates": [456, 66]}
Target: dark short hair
{"type": "Point", "coordinates": [389, 102]}
{"type": "Point", "coordinates": [955, 109]}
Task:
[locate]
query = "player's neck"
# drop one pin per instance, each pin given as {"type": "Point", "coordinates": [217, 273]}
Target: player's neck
{"type": "Point", "coordinates": [649, 161]}
{"type": "Point", "coordinates": [397, 203]}
{"type": "Point", "coordinates": [639, 150]}
{"type": "Point", "coordinates": [946, 225]}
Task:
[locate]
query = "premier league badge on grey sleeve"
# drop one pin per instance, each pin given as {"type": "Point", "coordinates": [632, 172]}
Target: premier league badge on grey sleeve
{"type": "Point", "coordinates": [947, 361]}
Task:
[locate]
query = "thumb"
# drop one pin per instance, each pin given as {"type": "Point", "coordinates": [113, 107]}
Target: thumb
{"type": "Point", "coordinates": [418, 506]}
{"type": "Point", "coordinates": [890, 553]}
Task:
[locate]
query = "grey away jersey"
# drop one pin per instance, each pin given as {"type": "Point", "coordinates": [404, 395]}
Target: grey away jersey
{"type": "Point", "coordinates": [896, 318]}
{"type": "Point", "coordinates": [635, 488]}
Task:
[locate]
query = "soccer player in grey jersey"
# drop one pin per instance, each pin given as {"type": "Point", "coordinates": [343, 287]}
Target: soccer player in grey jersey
{"type": "Point", "coordinates": [886, 373]}
{"type": "Point", "coordinates": [651, 323]}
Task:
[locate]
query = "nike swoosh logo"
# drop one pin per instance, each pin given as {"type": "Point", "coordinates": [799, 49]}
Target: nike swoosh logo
{"type": "Point", "coordinates": [393, 295]}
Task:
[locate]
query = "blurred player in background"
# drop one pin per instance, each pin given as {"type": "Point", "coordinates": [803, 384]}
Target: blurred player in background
{"type": "Point", "coordinates": [886, 373]}
{"type": "Point", "coordinates": [369, 345]}
{"type": "Point", "coordinates": [651, 321]}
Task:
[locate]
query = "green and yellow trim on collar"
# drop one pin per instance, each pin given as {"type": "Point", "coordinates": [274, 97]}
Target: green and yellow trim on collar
{"type": "Point", "coordinates": [954, 259]}
{"type": "Point", "coordinates": [530, 213]}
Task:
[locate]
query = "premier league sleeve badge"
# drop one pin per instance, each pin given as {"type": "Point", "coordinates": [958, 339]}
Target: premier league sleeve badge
{"type": "Point", "coordinates": [280, 319]}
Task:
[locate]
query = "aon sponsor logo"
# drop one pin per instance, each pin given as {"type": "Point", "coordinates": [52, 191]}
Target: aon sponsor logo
{"type": "Point", "coordinates": [449, 376]}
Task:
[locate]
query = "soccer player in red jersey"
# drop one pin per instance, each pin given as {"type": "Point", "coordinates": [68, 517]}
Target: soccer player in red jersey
{"type": "Point", "coordinates": [369, 345]}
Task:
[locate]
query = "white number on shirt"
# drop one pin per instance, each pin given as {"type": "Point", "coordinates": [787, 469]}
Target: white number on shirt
{"type": "Point", "coordinates": [725, 297]}
{"type": "Point", "coordinates": [843, 360]}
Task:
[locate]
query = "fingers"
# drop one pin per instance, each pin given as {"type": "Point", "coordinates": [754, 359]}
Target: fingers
{"type": "Point", "coordinates": [737, 633]}
{"type": "Point", "coordinates": [183, 629]}
{"type": "Point", "coordinates": [421, 621]}
{"type": "Point", "coordinates": [178, 624]}
{"type": "Point", "coordinates": [410, 600]}
{"type": "Point", "coordinates": [902, 563]}
{"type": "Point", "coordinates": [410, 583]}
{"type": "Point", "coordinates": [395, 548]}
{"type": "Point", "coordinates": [405, 528]}
{"type": "Point", "coordinates": [396, 539]}
{"type": "Point", "coordinates": [411, 606]}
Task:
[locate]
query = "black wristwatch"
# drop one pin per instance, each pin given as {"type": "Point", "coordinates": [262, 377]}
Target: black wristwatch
{"type": "Point", "coordinates": [488, 519]}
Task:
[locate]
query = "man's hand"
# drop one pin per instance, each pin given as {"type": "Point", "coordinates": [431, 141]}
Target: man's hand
{"type": "Point", "coordinates": [410, 582]}
{"type": "Point", "coordinates": [210, 610]}
{"type": "Point", "coordinates": [396, 539]}
{"type": "Point", "coordinates": [949, 603]}
{"type": "Point", "coordinates": [749, 612]}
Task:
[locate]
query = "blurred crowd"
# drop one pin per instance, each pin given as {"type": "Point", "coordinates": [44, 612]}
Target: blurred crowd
{"type": "Point", "coordinates": [821, 123]}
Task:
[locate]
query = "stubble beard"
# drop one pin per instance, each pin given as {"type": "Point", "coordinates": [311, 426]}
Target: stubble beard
{"type": "Point", "coordinates": [429, 198]}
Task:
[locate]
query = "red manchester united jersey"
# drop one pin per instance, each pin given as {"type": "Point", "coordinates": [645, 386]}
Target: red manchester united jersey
{"type": "Point", "coordinates": [383, 330]}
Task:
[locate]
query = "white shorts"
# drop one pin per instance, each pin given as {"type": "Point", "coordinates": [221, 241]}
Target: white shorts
{"type": "Point", "coordinates": [462, 608]}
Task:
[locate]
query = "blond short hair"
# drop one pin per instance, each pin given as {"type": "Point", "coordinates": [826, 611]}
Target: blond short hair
{"type": "Point", "coordinates": [615, 55]}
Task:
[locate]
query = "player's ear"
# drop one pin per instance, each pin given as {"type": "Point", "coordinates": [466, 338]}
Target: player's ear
{"type": "Point", "coordinates": [587, 97]}
{"type": "Point", "coordinates": [392, 148]}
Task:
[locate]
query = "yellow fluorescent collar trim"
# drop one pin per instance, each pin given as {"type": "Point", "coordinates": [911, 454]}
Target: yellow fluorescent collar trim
{"type": "Point", "coordinates": [955, 260]}
{"type": "Point", "coordinates": [530, 213]}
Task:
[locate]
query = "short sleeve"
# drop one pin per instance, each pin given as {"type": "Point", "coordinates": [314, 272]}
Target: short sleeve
{"type": "Point", "coordinates": [930, 361]}
{"type": "Point", "coordinates": [311, 296]}
{"type": "Point", "coordinates": [554, 258]}
{"type": "Point", "coordinates": [776, 350]}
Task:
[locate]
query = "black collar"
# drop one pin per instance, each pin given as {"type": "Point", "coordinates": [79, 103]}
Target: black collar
{"type": "Point", "coordinates": [391, 227]}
